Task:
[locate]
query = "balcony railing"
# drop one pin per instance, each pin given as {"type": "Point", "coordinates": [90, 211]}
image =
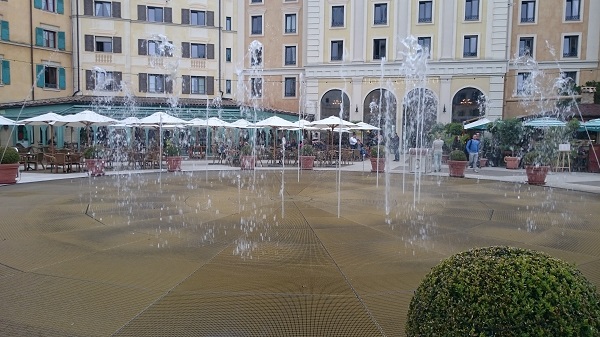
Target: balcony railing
{"type": "Point", "coordinates": [290, 62]}
{"type": "Point", "coordinates": [380, 22]}
{"type": "Point", "coordinates": [256, 31]}
{"type": "Point", "coordinates": [425, 19]}
{"type": "Point", "coordinates": [469, 54]}
{"type": "Point", "coordinates": [337, 23]}
{"type": "Point", "coordinates": [290, 30]}
{"type": "Point", "coordinates": [527, 19]}
{"type": "Point", "coordinates": [570, 54]}
{"type": "Point", "coordinates": [572, 17]}
{"type": "Point", "coordinates": [336, 57]}
{"type": "Point", "coordinates": [198, 64]}
{"type": "Point", "coordinates": [103, 58]}
{"type": "Point", "coordinates": [474, 17]}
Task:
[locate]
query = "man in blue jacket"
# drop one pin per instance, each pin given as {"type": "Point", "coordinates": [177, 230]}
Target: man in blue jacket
{"type": "Point", "coordinates": [473, 149]}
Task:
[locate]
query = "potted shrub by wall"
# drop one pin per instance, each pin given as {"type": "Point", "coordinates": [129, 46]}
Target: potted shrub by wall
{"type": "Point", "coordinates": [172, 157]}
{"type": "Point", "coordinates": [93, 161]}
{"type": "Point", "coordinates": [9, 165]}
{"type": "Point", "coordinates": [457, 163]}
{"type": "Point", "coordinates": [377, 158]}
{"type": "Point", "coordinates": [509, 135]}
{"type": "Point", "coordinates": [536, 167]}
{"type": "Point", "coordinates": [307, 157]}
{"type": "Point", "coordinates": [247, 160]}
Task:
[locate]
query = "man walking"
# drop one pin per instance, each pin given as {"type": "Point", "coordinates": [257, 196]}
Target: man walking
{"type": "Point", "coordinates": [473, 150]}
{"type": "Point", "coordinates": [396, 146]}
{"type": "Point", "coordinates": [437, 145]}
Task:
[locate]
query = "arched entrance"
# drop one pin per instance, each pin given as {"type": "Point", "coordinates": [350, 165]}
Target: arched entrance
{"type": "Point", "coordinates": [468, 104]}
{"type": "Point", "coordinates": [331, 103]}
{"type": "Point", "coordinates": [419, 116]}
{"type": "Point", "coordinates": [379, 107]}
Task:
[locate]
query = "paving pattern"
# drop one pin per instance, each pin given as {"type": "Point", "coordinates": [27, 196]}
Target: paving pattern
{"type": "Point", "coordinates": [260, 253]}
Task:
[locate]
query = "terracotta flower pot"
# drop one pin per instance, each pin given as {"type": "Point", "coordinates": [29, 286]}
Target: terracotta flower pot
{"type": "Point", "coordinates": [307, 162]}
{"type": "Point", "coordinates": [536, 175]}
{"type": "Point", "coordinates": [95, 167]}
{"type": "Point", "coordinates": [247, 162]}
{"type": "Point", "coordinates": [174, 163]}
{"type": "Point", "coordinates": [9, 173]}
{"type": "Point", "coordinates": [457, 168]}
{"type": "Point", "coordinates": [511, 162]}
{"type": "Point", "coordinates": [377, 164]}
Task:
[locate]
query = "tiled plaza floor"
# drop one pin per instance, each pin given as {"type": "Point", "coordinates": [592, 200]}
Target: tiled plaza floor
{"type": "Point", "coordinates": [259, 253]}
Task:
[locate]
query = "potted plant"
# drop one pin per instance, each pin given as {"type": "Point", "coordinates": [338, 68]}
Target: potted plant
{"type": "Point", "coordinates": [537, 166]}
{"type": "Point", "coordinates": [307, 157]}
{"type": "Point", "coordinates": [377, 158]}
{"type": "Point", "coordinates": [93, 160]}
{"type": "Point", "coordinates": [457, 163]}
{"type": "Point", "coordinates": [9, 165]}
{"type": "Point", "coordinates": [247, 160]}
{"type": "Point", "coordinates": [509, 135]}
{"type": "Point", "coordinates": [172, 157]}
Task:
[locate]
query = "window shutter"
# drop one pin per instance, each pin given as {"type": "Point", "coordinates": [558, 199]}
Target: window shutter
{"type": "Point", "coordinates": [88, 7]}
{"type": "Point", "coordinates": [39, 74]}
{"type": "Point", "coordinates": [37, 4]}
{"type": "Point", "coordinates": [62, 79]}
{"type": "Point", "coordinates": [5, 72]}
{"type": "Point", "coordinates": [210, 85]}
{"type": "Point", "coordinates": [185, 16]}
{"type": "Point", "coordinates": [141, 13]}
{"type": "Point", "coordinates": [185, 50]}
{"type": "Point", "coordinates": [185, 85]}
{"type": "Point", "coordinates": [39, 36]}
{"type": "Point", "coordinates": [118, 76]}
{"type": "Point", "coordinates": [116, 9]}
{"type": "Point", "coordinates": [142, 47]}
{"type": "Point", "coordinates": [169, 84]}
{"type": "Point", "coordinates": [5, 31]}
{"type": "Point", "coordinates": [60, 7]}
{"type": "Point", "coordinates": [210, 51]}
{"type": "Point", "coordinates": [117, 45]}
{"type": "Point", "coordinates": [90, 81]}
{"type": "Point", "coordinates": [168, 14]}
{"type": "Point", "coordinates": [210, 18]}
{"type": "Point", "coordinates": [61, 40]}
{"type": "Point", "coordinates": [143, 82]}
{"type": "Point", "coordinates": [89, 43]}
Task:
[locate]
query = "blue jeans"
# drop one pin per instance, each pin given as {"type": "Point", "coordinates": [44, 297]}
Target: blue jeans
{"type": "Point", "coordinates": [474, 159]}
{"type": "Point", "coordinates": [437, 161]}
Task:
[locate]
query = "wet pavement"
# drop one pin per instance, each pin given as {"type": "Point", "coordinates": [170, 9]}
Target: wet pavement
{"type": "Point", "coordinates": [215, 251]}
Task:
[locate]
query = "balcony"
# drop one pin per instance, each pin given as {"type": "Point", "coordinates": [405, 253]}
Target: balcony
{"type": "Point", "coordinates": [103, 58]}
{"type": "Point", "coordinates": [572, 17]}
{"type": "Point", "coordinates": [570, 54]}
{"type": "Point", "coordinates": [425, 19]}
{"type": "Point", "coordinates": [527, 19]}
{"type": "Point", "coordinates": [469, 54]}
{"type": "Point", "coordinates": [198, 64]}
{"type": "Point", "coordinates": [337, 24]}
{"type": "Point", "coordinates": [380, 22]}
{"type": "Point", "coordinates": [290, 30]}
{"type": "Point", "coordinates": [472, 17]}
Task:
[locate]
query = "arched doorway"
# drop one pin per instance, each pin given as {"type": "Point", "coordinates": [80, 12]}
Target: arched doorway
{"type": "Point", "coordinates": [467, 104]}
{"type": "Point", "coordinates": [380, 106]}
{"type": "Point", "coordinates": [419, 116]}
{"type": "Point", "coordinates": [331, 103]}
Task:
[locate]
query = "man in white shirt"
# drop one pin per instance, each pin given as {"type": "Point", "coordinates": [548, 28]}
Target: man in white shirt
{"type": "Point", "coordinates": [353, 141]}
{"type": "Point", "coordinates": [437, 145]}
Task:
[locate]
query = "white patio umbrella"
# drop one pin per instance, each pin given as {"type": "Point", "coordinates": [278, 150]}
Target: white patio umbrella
{"type": "Point", "coordinates": [49, 119]}
{"type": "Point", "coordinates": [9, 122]}
{"type": "Point", "coordinates": [480, 124]}
{"type": "Point", "coordinates": [161, 118]}
{"type": "Point", "coordinates": [331, 123]}
{"type": "Point", "coordinates": [87, 118]}
{"type": "Point", "coordinates": [127, 122]}
{"type": "Point", "coordinates": [364, 126]}
{"type": "Point", "coordinates": [591, 125]}
{"type": "Point", "coordinates": [197, 122]}
{"type": "Point", "coordinates": [242, 124]}
{"type": "Point", "coordinates": [275, 122]}
{"type": "Point", "coordinates": [544, 122]}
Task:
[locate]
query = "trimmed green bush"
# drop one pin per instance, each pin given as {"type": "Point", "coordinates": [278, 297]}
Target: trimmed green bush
{"type": "Point", "coordinates": [307, 150]}
{"type": "Point", "coordinates": [504, 291]}
{"type": "Point", "coordinates": [172, 150]}
{"type": "Point", "coordinates": [378, 151]}
{"type": "Point", "coordinates": [9, 155]}
{"type": "Point", "coordinates": [457, 155]}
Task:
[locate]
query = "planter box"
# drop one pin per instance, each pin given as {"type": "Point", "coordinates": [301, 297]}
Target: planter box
{"type": "Point", "coordinates": [377, 164]}
{"type": "Point", "coordinates": [512, 163]}
{"type": "Point", "coordinates": [9, 173]}
{"type": "Point", "coordinates": [173, 163]}
{"type": "Point", "coordinates": [95, 167]}
{"type": "Point", "coordinates": [536, 175]}
{"type": "Point", "coordinates": [307, 162]}
{"type": "Point", "coordinates": [457, 168]}
{"type": "Point", "coordinates": [247, 162]}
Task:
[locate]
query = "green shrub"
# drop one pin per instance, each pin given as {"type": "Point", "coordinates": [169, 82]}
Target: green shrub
{"type": "Point", "coordinates": [457, 155]}
{"type": "Point", "coordinates": [504, 291]}
{"type": "Point", "coordinates": [171, 149]}
{"type": "Point", "coordinates": [9, 155]}
{"type": "Point", "coordinates": [378, 151]}
{"type": "Point", "coordinates": [246, 150]}
{"type": "Point", "coordinates": [536, 158]}
{"type": "Point", "coordinates": [92, 152]}
{"type": "Point", "coordinates": [307, 150]}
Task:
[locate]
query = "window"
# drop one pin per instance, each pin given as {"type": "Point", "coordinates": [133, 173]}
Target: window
{"type": "Point", "coordinates": [572, 10]}
{"type": "Point", "coordinates": [569, 80]}
{"type": "Point", "coordinates": [425, 43]}
{"type": "Point", "coordinates": [105, 80]}
{"type": "Point", "coordinates": [156, 48]}
{"type": "Point", "coordinates": [4, 30]}
{"type": "Point", "coordinates": [198, 84]}
{"type": "Point", "coordinates": [198, 51]}
{"type": "Point", "coordinates": [227, 54]}
{"type": "Point", "coordinates": [472, 10]}
{"type": "Point", "coordinates": [380, 14]}
{"type": "Point", "coordinates": [256, 57]}
{"type": "Point", "coordinates": [290, 55]}
{"type": "Point", "coordinates": [256, 84]}
{"type": "Point", "coordinates": [198, 18]}
{"type": "Point", "coordinates": [425, 11]}
{"type": "Point", "coordinates": [228, 23]}
{"type": "Point", "coordinates": [337, 50]}
{"type": "Point", "coordinates": [290, 23]}
{"type": "Point", "coordinates": [526, 46]}
{"type": "Point", "coordinates": [104, 44]}
{"type": "Point", "coordinates": [570, 46]}
{"type": "Point", "coordinates": [290, 87]}
{"type": "Point", "coordinates": [379, 49]}
{"type": "Point", "coordinates": [102, 8]}
{"type": "Point", "coordinates": [156, 83]}
{"type": "Point", "coordinates": [528, 11]}
{"type": "Point", "coordinates": [523, 84]}
{"type": "Point", "coordinates": [49, 39]}
{"type": "Point", "coordinates": [256, 1]}
{"type": "Point", "coordinates": [50, 77]}
{"type": "Point", "coordinates": [256, 24]}
{"type": "Point", "coordinates": [337, 16]}
{"type": "Point", "coordinates": [228, 86]}
{"type": "Point", "coordinates": [155, 14]}
{"type": "Point", "coordinates": [470, 46]}
{"type": "Point", "coordinates": [49, 5]}
{"type": "Point", "coordinates": [4, 72]}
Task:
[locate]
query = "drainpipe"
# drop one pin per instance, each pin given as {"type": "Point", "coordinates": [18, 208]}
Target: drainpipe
{"type": "Point", "coordinates": [220, 49]}
{"type": "Point", "coordinates": [78, 51]}
{"type": "Point", "coordinates": [33, 78]}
